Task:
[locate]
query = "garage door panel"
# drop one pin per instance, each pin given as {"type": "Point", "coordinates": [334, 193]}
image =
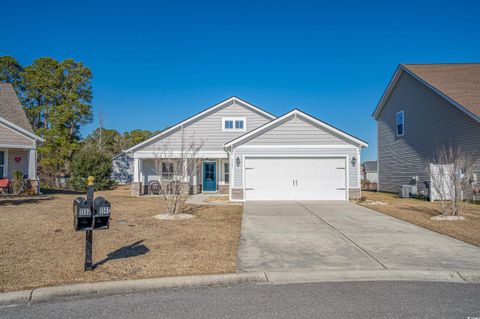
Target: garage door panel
{"type": "Point", "coordinates": [268, 179]}
{"type": "Point", "coordinates": [320, 179]}
{"type": "Point", "coordinates": [295, 178]}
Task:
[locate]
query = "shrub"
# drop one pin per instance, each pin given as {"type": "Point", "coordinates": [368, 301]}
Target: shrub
{"type": "Point", "coordinates": [17, 181]}
{"type": "Point", "coordinates": [88, 160]}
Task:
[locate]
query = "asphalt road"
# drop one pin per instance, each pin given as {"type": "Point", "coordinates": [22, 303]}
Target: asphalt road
{"type": "Point", "coordinates": [312, 300]}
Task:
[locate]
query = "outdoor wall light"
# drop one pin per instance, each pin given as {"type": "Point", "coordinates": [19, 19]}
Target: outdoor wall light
{"type": "Point", "coordinates": [353, 161]}
{"type": "Point", "coordinates": [237, 161]}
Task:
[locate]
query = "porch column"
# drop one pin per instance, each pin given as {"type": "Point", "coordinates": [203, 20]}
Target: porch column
{"type": "Point", "coordinates": [137, 186]}
{"type": "Point", "coordinates": [32, 164]}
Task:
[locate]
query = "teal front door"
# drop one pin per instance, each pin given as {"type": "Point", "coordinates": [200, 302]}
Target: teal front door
{"type": "Point", "coordinates": [209, 176]}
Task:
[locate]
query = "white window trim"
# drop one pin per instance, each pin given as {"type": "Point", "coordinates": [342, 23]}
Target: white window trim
{"type": "Point", "coordinates": [403, 123]}
{"type": "Point", "coordinates": [5, 165]}
{"type": "Point", "coordinates": [234, 119]}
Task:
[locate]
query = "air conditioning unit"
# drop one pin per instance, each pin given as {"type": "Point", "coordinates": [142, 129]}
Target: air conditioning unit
{"type": "Point", "coordinates": [408, 191]}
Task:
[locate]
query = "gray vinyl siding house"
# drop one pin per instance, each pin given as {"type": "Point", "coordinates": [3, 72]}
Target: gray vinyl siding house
{"type": "Point", "coordinates": [428, 96]}
{"type": "Point", "coordinates": [258, 147]}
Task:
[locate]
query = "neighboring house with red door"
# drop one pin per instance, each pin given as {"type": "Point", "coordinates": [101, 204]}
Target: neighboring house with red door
{"type": "Point", "coordinates": [18, 143]}
{"type": "Point", "coordinates": [426, 107]}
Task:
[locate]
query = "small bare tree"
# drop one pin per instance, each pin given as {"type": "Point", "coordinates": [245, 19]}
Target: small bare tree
{"type": "Point", "coordinates": [176, 168]}
{"type": "Point", "coordinates": [450, 173]}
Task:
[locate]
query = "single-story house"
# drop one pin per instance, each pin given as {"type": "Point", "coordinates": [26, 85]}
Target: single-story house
{"type": "Point", "coordinates": [250, 154]}
{"type": "Point", "coordinates": [18, 143]}
{"type": "Point", "coordinates": [426, 107]}
{"type": "Point", "coordinates": [370, 171]}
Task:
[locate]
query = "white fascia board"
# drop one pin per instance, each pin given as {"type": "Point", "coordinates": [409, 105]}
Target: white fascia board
{"type": "Point", "coordinates": [348, 146]}
{"type": "Point", "coordinates": [20, 146]}
{"type": "Point", "coordinates": [193, 118]}
{"type": "Point", "coordinates": [298, 113]}
{"type": "Point", "coordinates": [388, 90]}
{"type": "Point", "coordinates": [21, 130]}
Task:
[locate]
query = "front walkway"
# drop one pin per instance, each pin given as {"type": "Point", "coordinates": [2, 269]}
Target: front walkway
{"type": "Point", "coordinates": [296, 236]}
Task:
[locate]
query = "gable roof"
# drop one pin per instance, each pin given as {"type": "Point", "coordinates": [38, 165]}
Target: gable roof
{"type": "Point", "coordinates": [11, 112]}
{"type": "Point", "coordinates": [291, 114]}
{"type": "Point", "coordinates": [458, 83]}
{"type": "Point", "coordinates": [191, 119]}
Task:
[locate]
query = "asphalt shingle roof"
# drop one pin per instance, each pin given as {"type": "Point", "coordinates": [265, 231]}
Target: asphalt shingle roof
{"type": "Point", "coordinates": [460, 82]}
{"type": "Point", "coordinates": [11, 109]}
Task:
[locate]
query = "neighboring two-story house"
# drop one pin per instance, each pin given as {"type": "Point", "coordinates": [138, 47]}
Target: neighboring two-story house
{"type": "Point", "coordinates": [425, 107]}
{"type": "Point", "coordinates": [18, 143]}
{"type": "Point", "coordinates": [251, 154]}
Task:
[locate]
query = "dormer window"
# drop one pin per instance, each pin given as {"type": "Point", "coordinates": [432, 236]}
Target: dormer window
{"type": "Point", "coordinates": [233, 124]}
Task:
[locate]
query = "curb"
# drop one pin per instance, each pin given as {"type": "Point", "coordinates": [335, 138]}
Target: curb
{"type": "Point", "coordinates": [125, 286]}
{"type": "Point", "coordinates": [15, 298]}
{"type": "Point", "coordinates": [38, 295]}
{"type": "Point", "coordinates": [373, 275]}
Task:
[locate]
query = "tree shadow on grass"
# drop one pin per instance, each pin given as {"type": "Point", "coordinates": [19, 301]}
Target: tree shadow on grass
{"type": "Point", "coordinates": [195, 209]}
{"type": "Point", "coordinates": [133, 250]}
{"type": "Point", "coordinates": [58, 191]}
{"type": "Point", "coordinates": [23, 200]}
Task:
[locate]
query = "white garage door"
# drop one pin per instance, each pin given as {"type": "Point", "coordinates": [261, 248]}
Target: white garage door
{"type": "Point", "coordinates": [295, 179]}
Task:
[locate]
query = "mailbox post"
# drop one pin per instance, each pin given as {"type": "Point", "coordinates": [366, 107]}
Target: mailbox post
{"type": "Point", "coordinates": [90, 214]}
{"type": "Point", "coordinates": [89, 233]}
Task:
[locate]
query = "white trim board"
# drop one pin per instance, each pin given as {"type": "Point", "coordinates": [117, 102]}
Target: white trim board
{"type": "Point", "coordinates": [21, 130]}
{"type": "Point", "coordinates": [346, 146]}
{"type": "Point", "coordinates": [20, 146]}
{"type": "Point", "coordinates": [177, 154]}
{"type": "Point", "coordinates": [233, 99]}
{"type": "Point", "coordinates": [294, 113]}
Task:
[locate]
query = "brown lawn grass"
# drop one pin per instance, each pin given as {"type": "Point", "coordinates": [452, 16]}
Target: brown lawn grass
{"type": "Point", "coordinates": [419, 212]}
{"type": "Point", "coordinates": [38, 246]}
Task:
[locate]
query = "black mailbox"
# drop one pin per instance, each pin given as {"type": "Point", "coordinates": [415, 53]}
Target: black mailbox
{"type": "Point", "coordinates": [82, 214]}
{"type": "Point", "coordinates": [101, 209]}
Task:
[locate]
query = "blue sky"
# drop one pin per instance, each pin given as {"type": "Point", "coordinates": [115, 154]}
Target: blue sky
{"type": "Point", "coordinates": [156, 63]}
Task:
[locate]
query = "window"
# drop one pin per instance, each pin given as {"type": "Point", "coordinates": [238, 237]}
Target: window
{"type": "Point", "coordinates": [400, 121]}
{"type": "Point", "coordinates": [239, 124]}
{"type": "Point", "coordinates": [167, 170]}
{"type": "Point", "coordinates": [228, 124]}
{"type": "Point", "coordinates": [2, 164]}
{"type": "Point", "coordinates": [227, 172]}
{"type": "Point", "coordinates": [233, 124]}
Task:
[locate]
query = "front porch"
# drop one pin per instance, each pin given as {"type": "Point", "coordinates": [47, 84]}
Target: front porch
{"type": "Point", "coordinates": [200, 175]}
{"type": "Point", "coordinates": [21, 159]}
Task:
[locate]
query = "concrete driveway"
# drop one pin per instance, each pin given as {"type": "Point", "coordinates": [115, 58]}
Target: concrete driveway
{"type": "Point", "coordinates": [293, 236]}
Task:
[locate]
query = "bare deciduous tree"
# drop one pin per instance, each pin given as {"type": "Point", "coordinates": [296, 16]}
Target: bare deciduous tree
{"type": "Point", "coordinates": [450, 172]}
{"type": "Point", "coordinates": [176, 168]}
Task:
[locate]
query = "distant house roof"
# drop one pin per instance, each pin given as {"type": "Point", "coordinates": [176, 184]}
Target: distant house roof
{"type": "Point", "coordinates": [459, 83]}
{"type": "Point", "coordinates": [370, 166]}
{"type": "Point", "coordinates": [11, 111]}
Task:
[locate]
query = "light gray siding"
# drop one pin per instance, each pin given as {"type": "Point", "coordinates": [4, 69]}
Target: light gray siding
{"type": "Point", "coordinates": [350, 151]}
{"type": "Point", "coordinates": [295, 131]}
{"type": "Point", "coordinates": [208, 129]}
{"type": "Point", "coordinates": [21, 165]}
{"type": "Point", "coordinates": [430, 122]}
{"type": "Point", "coordinates": [9, 136]}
